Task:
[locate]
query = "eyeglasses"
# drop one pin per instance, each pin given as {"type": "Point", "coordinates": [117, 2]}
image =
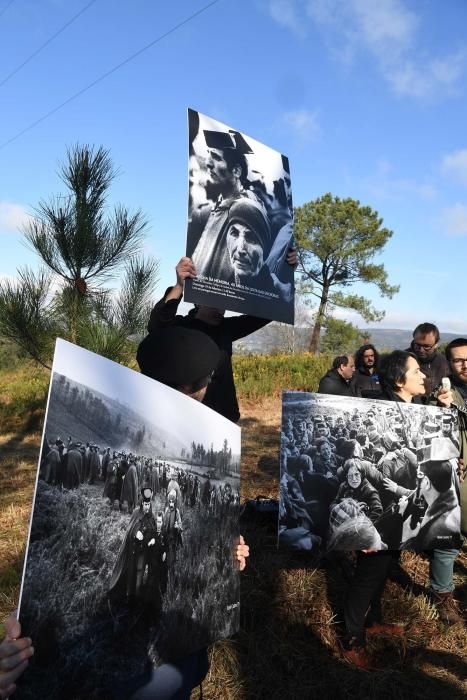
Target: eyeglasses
{"type": "Point", "coordinates": [420, 346]}
{"type": "Point", "coordinates": [459, 361]}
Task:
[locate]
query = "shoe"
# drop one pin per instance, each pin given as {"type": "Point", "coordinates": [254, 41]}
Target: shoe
{"type": "Point", "coordinates": [358, 656]}
{"type": "Point", "coordinates": [447, 607]}
{"type": "Point", "coordinates": [385, 628]}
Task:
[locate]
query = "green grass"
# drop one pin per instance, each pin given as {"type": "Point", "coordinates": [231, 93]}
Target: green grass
{"type": "Point", "coordinates": [258, 376]}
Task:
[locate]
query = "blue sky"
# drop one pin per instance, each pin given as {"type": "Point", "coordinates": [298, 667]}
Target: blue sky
{"type": "Point", "coordinates": [367, 99]}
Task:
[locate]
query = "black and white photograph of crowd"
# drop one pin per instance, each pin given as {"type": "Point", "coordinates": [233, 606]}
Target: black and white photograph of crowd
{"type": "Point", "coordinates": [130, 553]}
{"type": "Point", "coordinates": [362, 475]}
{"type": "Point", "coordinates": [240, 217]}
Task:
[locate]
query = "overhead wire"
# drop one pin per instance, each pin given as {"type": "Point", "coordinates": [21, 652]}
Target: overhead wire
{"type": "Point", "coordinates": [109, 72]}
{"type": "Point", "coordinates": [9, 4]}
{"type": "Point", "coordinates": [49, 41]}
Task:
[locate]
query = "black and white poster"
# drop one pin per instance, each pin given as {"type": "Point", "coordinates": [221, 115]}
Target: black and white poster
{"type": "Point", "coordinates": [130, 556]}
{"type": "Point", "coordinates": [240, 218]}
{"type": "Point", "coordinates": [358, 474]}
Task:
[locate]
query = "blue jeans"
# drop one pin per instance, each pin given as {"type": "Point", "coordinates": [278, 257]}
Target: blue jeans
{"type": "Point", "coordinates": [442, 570]}
{"type": "Point", "coordinates": [170, 681]}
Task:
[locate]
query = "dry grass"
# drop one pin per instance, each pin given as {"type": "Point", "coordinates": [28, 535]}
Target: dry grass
{"type": "Point", "coordinates": [287, 647]}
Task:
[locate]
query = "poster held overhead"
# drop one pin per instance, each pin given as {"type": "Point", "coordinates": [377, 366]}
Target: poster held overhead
{"type": "Point", "coordinates": [135, 517]}
{"type": "Point", "coordinates": [240, 218]}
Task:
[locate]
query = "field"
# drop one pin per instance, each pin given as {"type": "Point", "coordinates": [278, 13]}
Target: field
{"type": "Point", "coordinates": [287, 647]}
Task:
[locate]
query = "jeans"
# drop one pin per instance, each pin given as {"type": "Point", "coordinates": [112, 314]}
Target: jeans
{"type": "Point", "coordinates": [442, 570]}
{"type": "Point", "coordinates": [170, 681]}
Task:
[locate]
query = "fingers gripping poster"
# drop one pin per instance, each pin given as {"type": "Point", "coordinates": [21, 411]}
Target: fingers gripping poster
{"type": "Point", "coordinates": [240, 218]}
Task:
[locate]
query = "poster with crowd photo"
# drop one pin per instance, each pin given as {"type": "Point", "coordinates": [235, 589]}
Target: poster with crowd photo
{"type": "Point", "coordinates": [361, 474]}
{"type": "Point", "coordinates": [240, 217]}
{"type": "Point", "coordinates": [130, 552]}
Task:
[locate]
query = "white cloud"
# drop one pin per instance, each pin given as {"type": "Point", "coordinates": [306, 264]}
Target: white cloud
{"type": "Point", "coordinates": [384, 184]}
{"type": "Point", "coordinates": [453, 220]}
{"type": "Point", "coordinates": [287, 13]}
{"type": "Point", "coordinates": [384, 31]}
{"type": "Point", "coordinates": [12, 216]}
{"type": "Point", "coordinates": [303, 122]}
{"type": "Point", "coordinates": [455, 164]}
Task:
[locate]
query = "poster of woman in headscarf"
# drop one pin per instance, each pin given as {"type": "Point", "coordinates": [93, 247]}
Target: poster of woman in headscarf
{"type": "Point", "coordinates": [358, 474]}
{"type": "Point", "coordinates": [240, 217]}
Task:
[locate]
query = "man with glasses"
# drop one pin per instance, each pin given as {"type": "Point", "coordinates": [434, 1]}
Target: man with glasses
{"type": "Point", "coordinates": [432, 363]}
{"type": "Point", "coordinates": [442, 560]}
{"type": "Point", "coordinates": [456, 355]}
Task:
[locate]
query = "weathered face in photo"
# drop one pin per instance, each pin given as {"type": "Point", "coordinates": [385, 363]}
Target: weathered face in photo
{"type": "Point", "coordinates": [458, 362]}
{"type": "Point", "coordinates": [325, 451]}
{"type": "Point", "coordinates": [354, 478]}
{"type": "Point", "coordinates": [146, 506]}
{"type": "Point", "coordinates": [245, 250]}
{"type": "Point", "coordinates": [159, 524]}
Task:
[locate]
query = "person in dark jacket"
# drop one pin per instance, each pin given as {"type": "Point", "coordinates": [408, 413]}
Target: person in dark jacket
{"type": "Point", "coordinates": [402, 380]}
{"type": "Point", "coordinates": [220, 395]}
{"type": "Point", "coordinates": [127, 580]}
{"type": "Point", "coordinates": [357, 487]}
{"type": "Point", "coordinates": [443, 513]}
{"type": "Point", "coordinates": [365, 381]}
{"type": "Point", "coordinates": [432, 363]}
{"type": "Point", "coordinates": [337, 380]}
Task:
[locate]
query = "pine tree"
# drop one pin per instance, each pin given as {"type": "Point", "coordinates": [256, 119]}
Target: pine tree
{"type": "Point", "coordinates": [82, 246]}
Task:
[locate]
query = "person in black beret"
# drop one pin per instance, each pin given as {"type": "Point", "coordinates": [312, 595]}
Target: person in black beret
{"type": "Point", "coordinates": [182, 358]}
{"type": "Point", "coordinates": [220, 395]}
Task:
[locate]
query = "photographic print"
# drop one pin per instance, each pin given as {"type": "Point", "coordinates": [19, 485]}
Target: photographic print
{"type": "Point", "coordinates": [240, 217]}
{"type": "Point", "coordinates": [135, 518]}
{"type": "Point", "coordinates": [363, 474]}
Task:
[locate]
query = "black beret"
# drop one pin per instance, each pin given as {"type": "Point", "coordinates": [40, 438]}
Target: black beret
{"type": "Point", "coordinates": [177, 356]}
{"type": "Point", "coordinates": [222, 140]}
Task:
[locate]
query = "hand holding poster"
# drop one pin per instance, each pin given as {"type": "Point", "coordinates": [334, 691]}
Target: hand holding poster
{"type": "Point", "coordinates": [239, 222]}
{"type": "Point", "coordinates": [130, 554]}
{"type": "Point", "coordinates": [357, 474]}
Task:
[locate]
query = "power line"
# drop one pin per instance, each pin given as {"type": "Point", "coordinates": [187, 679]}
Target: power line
{"type": "Point", "coordinates": [2, 12]}
{"type": "Point", "coordinates": [109, 72]}
{"type": "Point", "coordinates": [49, 41]}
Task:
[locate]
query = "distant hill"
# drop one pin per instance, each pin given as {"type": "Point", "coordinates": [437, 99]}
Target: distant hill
{"type": "Point", "coordinates": [275, 336]}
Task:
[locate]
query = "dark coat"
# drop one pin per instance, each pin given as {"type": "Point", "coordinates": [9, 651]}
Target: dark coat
{"type": "Point", "coordinates": [52, 466]}
{"type": "Point", "coordinates": [220, 395]}
{"type": "Point", "coordinates": [434, 369]}
{"type": "Point", "coordinates": [94, 464]}
{"type": "Point", "coordinates": [440, 525]}
{"type": "Point", "coordinates": [72, 465]}
{"type": "Point", "coordinates": [364, 384]}
{"type": "Point", "coordinates": [130, 488]}
{"type": "Point", "coordinates": [123, 580]}
{"type": "Point", "coordinates": [365, 493]}
{"type": "Point", "coordinates": [333, 383]}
